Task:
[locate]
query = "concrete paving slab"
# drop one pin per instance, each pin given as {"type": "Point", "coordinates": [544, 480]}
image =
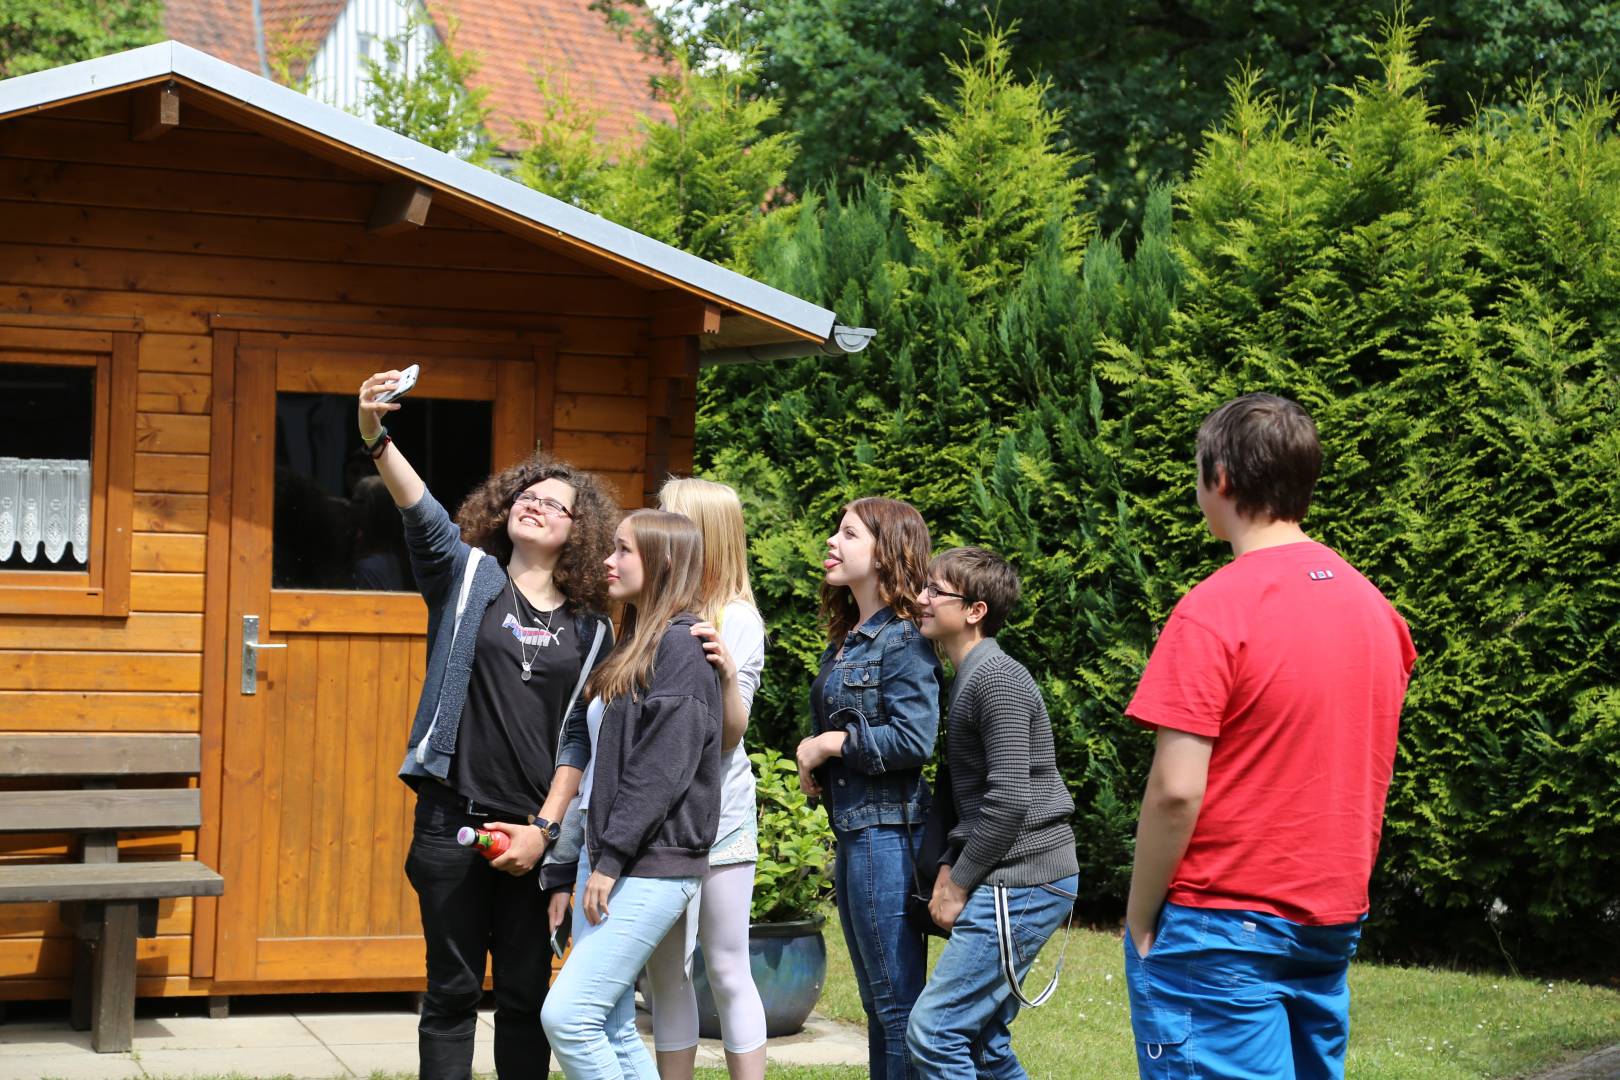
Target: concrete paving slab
{"type": "Point", "coordinates": [1603, 1065]}
{"type": "Point", "coordinates": [201, 1033]}
{"type": "Point", "coordinates": [309, 1062]}
{"type": "Point", "coordinates": [363, 1059]}
{"type": "Point", "coordinates": [85, 1065]}
{"type": "Point", "coordinates": [49, 1037]}
{"type": "Point", "coordinates": [822, 1042]}
{"type": "Point", "coordinates": [370, 1028]}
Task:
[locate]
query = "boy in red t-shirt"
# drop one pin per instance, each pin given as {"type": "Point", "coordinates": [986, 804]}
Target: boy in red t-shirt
{"type": "Point", "coordinates": [1276, 691]}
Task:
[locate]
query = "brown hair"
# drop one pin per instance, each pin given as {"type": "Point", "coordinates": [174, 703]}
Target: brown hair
{"type": "Point", "coordinates": [979, 574]}
{"type": "Point", "coordinates": [1268, 447]}
{"type": "Point", "coordinates": [671, 550]}
{"type": "Point", "coordinates": [900, 554]}
{"type": "Point", "coordinates": [579, 573]}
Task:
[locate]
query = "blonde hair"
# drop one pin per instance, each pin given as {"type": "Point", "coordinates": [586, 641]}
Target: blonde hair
{"type": "Point", "coordinates": [718, 513]}
{"type": "Point", "coordinates": [671, 551]}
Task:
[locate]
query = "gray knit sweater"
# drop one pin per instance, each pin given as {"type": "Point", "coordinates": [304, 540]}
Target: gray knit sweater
{"type": "Point", "coordinates": [1013, 807]}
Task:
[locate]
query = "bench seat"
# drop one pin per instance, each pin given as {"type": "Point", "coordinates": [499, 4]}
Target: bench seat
{"type": "Point", "coordinates": [107, 881]}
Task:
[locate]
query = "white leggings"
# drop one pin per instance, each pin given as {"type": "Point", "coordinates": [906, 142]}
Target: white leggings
{"type": "Point", "coordinates": [728, 892]}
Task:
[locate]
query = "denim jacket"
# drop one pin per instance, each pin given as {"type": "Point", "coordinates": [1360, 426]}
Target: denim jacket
{"type": "Point", "coordinates": [884, 694]}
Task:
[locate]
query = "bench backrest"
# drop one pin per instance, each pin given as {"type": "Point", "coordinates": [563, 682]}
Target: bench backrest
{"type": "Point", "coordinates": [95, 761]}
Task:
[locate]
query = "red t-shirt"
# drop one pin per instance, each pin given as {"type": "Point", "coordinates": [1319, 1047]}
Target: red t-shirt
{"type": "Point", "coordinates": [1296, 666]}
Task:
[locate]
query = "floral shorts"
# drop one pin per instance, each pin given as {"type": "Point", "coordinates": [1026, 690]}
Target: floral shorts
{"type": "Point", "coordinates": [740, 845]}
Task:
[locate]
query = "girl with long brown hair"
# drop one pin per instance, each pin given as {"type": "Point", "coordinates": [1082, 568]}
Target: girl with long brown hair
{"type": "Point", "coordinates": [514, 588]}
{"type": "Point", "coordinates": [734, 637]}
{"type": "Point", "coordinates": [875, 703]}
{"type": "Point", "coordinates": [650, 795]}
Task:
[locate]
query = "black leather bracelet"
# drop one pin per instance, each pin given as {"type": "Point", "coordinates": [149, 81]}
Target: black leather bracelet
{"type": "Point", "coordinates": [375, 450]}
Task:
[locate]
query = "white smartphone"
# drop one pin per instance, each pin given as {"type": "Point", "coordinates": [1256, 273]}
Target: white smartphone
{"type": "Point", "coordinates": [407, 379]}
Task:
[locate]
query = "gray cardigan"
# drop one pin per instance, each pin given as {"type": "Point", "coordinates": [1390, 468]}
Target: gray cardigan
{"type": "Point", "coordinates": [1013, 808]}
{"type": "Point", "coordinates": [439, 559]}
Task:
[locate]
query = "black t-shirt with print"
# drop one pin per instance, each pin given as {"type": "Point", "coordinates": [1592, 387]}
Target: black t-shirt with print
{"type": "Point", "coordinates": [509, 727]}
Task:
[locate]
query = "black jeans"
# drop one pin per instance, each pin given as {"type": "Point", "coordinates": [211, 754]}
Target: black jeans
{"type": "Point", "coordinates": [469, 910]}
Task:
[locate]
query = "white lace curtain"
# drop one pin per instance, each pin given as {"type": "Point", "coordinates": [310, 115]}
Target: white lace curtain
{"type": "Point", "coordinates": [44, 507]}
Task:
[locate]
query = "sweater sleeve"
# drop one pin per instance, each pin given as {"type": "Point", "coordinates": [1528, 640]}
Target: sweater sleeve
{"type": "Point", "coordinates": [678, 719]}
{"type": "Point", "coordinates": [911, 699]}
{"type": "Point", "coordinates": [435, 546]}
{"type": "Point", "coordinates": [1007, 712]}
{"type": "Point", "coordinates": [575, 745]}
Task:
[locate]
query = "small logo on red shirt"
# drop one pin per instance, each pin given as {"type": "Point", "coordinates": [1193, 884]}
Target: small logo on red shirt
{"type": "Point", "coordinates": [1321, 575]}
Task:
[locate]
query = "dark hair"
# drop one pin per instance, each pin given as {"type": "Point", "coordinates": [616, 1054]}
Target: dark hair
{"type": "Point", "coordinates": [979, 574]}
{"type": "Point", "coordinates": [899, 551]}
{"type": "Point", "coordinates": [579, 573]}
{"type": "Point", "coordinates": [1268, 448]}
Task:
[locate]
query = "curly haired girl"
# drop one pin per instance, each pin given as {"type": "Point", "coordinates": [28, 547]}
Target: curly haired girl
{"type": "Point", "coordinates": [514, 597]}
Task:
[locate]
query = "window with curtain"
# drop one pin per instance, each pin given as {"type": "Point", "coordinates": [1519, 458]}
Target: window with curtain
{"type": "Point", "coordinates": [47, 427]}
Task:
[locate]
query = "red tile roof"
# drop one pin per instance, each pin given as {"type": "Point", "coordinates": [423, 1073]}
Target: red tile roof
{"type": "Point", "coordinates": [218, 27]}
{"type": "Point", "coordinates": [514, 40]}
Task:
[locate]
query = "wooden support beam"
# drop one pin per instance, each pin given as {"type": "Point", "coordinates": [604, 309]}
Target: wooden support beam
{"type": "Point", "coordinates": [400, 206]}
{"type": "Point", "coordinates": [153, 111]}
{"type": "Point", "coordinates": [677, 314]}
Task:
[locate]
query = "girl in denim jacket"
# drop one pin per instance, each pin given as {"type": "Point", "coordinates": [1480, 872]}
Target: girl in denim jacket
{"type": "Point", "coordinates": [875, 705]}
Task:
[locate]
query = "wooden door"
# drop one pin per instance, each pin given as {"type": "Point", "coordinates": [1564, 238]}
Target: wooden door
{"type": "Point", "coordinates": [314, 822]}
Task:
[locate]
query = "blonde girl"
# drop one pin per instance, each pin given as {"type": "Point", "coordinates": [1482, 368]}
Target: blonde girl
{"type": "Point", "coordinates": [734, 638]}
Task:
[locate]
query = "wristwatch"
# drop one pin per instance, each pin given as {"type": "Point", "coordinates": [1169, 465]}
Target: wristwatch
{"type": "Point", "coordinates": [550, 828]}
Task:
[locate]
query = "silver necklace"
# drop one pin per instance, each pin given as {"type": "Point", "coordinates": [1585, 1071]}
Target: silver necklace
{"type": "Point", "coordinates": [547, 635]}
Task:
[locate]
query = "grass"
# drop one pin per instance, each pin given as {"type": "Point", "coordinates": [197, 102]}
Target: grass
{"type": "Point", "coordinates": [1406, 1023]}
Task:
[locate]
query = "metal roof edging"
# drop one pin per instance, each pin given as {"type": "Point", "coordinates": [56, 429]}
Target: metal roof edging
{"type": "Point", "coordinates": [108, 73]}
{"type": "Point", "coordinates": [844, 341]}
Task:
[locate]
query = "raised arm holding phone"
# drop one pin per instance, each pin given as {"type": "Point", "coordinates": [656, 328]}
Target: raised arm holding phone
{"type": "Point", "coordinates": [514, 586]}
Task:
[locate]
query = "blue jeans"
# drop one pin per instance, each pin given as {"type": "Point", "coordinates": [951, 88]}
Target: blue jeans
{"type": "Point", "coordinates": [959, 1026]}
{"type": "Point", "coordinates": [1239, 995]}
{"type": "Point", "coordinates": [873, 876]}
{"type": "Point", "coordinates": [590, 1016]}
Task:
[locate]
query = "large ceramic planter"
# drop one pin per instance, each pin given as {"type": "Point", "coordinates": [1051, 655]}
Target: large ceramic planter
{"type": "Point", "coordinates": [789, 962]}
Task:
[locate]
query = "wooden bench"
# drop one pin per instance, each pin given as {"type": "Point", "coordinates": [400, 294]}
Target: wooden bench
{"type": "Point", "coordinates": [107, 903]}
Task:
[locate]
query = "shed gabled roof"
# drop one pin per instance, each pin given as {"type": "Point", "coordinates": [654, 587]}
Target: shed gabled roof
{"type": "Point", "coordinates": [774, 320]}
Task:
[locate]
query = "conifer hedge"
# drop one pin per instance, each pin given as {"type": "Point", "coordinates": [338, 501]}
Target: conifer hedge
{"type": "Point", "coordinates": [1442, 301]}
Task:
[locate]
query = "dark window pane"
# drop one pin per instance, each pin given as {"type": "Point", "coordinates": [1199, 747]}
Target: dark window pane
{"type": "Point", "coordinates": [47, 424]}
{"type": "Point", "coordinates": [336, 526]}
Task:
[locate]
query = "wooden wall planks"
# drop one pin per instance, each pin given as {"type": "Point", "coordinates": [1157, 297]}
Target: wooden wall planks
{"type": "Point", "coordinates": [97, 225]}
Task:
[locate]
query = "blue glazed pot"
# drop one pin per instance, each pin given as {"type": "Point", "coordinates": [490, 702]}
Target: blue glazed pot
{"type": "Point", "coordinates": [789, 964]}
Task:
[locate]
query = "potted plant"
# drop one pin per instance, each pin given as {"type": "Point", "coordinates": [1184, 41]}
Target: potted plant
{"type": "Point", "coordinates": [792, 881]}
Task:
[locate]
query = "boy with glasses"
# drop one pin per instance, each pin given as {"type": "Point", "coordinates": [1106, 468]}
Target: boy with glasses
{"type": "Point", "coordinates": [1275, 689]}
{"type": "Point", "coordinates": [1012, 847]}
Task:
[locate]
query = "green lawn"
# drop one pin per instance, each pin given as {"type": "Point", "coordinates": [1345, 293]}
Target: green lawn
{"type": "Point", "coordinates": [1407, 1023]}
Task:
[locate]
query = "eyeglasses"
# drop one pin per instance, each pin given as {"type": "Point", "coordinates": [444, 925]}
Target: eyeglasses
{"type": "Point", "coordinates": [543, 505]}
{"type": "Point", "coordinates": [935, 592]}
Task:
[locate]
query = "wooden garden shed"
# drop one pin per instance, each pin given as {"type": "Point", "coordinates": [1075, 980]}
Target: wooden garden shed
{"type": "Point", "coordinates": [197, 268]}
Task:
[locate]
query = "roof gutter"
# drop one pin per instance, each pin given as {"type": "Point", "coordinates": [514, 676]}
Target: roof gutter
{"type": "Point", "coordinates": [844, 341]}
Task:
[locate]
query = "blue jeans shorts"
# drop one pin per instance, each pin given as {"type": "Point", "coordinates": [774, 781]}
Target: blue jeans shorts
{"type": "Point", "coordinates": [1240, 995]}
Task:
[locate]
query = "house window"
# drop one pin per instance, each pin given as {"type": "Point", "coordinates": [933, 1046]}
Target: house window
{"type": "Point", "coordinates": [47, 429]}
{"type": "Point", "coordinates": [67, 457]}
{"type": "Point", "coordinates": [336, 526]}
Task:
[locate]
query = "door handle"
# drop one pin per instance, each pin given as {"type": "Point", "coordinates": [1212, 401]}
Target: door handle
{"type": "Point", "coordinates": [250, 653]}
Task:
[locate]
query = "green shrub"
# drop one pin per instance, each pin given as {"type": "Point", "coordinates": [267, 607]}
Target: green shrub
{"type": "Point", "coordinates": [793, 876]}
{"type": "Point", "coordinates": [1442, 300]}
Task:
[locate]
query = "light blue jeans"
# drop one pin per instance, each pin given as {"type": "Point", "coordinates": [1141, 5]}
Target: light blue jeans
{"type": "Point", "coordinates": [958, 1028]}
{"type": "Point", "coordinates": [590, 1013]}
